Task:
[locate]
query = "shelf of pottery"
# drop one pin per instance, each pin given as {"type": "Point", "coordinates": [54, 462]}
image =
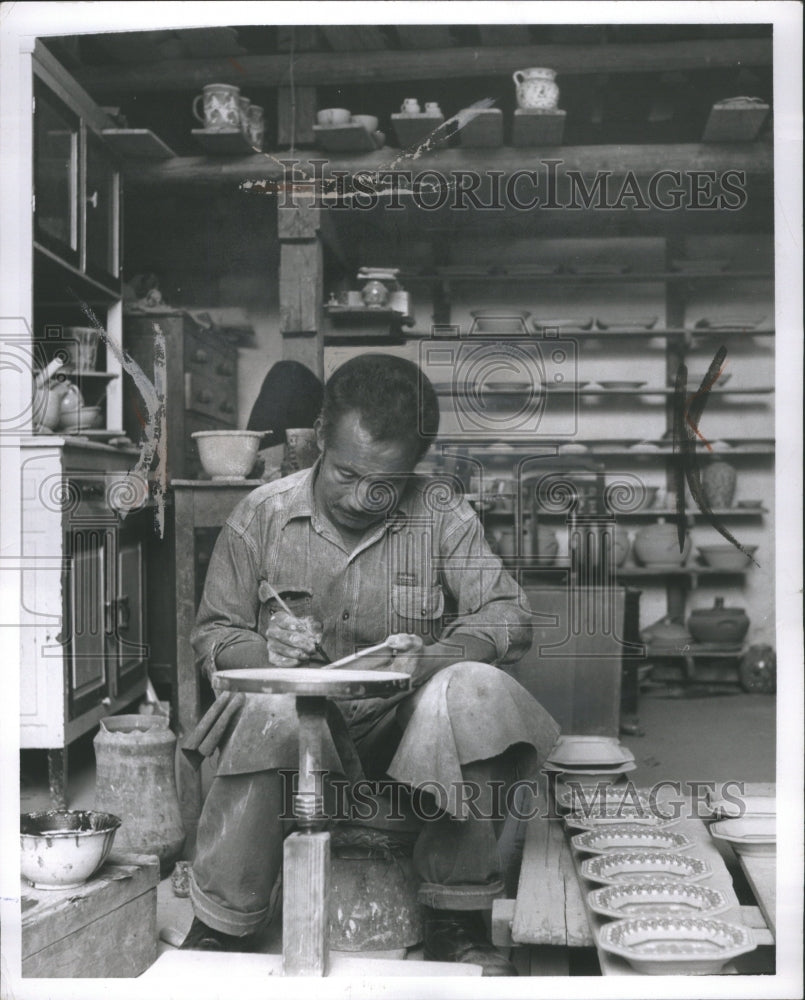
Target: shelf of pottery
{"type": "Point", "coordinates": [580, 387]}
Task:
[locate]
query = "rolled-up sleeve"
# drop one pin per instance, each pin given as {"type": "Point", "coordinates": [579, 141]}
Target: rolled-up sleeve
{"type": "Point", "coordinates": [489, 603]}
{"type": "Point", "coordinates": [229, 609]}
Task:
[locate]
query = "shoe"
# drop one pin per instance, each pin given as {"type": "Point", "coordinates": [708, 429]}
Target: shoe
{"type": "Point", "coordinates": [200, 937]}
{"type": "Point", "coordinates": [460, 936]}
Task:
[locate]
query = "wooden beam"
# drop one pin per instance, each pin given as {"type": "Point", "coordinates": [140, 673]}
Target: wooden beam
{"type": "Point", "coordinates": [346, 38]}
{"type": "Point", "coordinates": [504, 34]}
{"type": "Point", "coordinates": [752, 158]}
{"type": "Point", "coordinates": [296, 116]}
{"type": "Point", "coordinates": [305, 904]}
{"type": "Point", "coordinates": [424, 36]}
{"type": "Point", "coordinates": [318, 68]}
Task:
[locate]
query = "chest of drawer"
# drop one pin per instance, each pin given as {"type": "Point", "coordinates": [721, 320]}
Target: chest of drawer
{"type": "Point", "coordinates": [210, 379]}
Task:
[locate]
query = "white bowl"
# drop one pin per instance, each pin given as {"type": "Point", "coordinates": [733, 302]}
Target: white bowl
{"type": "Point", "coordinates": [656, 899]}
{"type": "Point", "coordinates": [583, 751]}
{"type": "Point", "coordinates": [752, 834]}
{"type": "Point", "coordinates": [657, 946]}
{"type": "Point", "coordinates": [61, 849]}
{"type": "Point", "coordinates": [726, 557]}
{"type": "Point", "coordinates": [83, 418]}
{"type": "Point", "coordinates": [228, 454]}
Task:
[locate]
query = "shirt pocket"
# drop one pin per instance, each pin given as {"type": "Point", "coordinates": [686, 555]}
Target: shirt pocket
{"type": "Point", "coordinates": [298, 597]}
{"type": "Point", "coordinates": [417, 610]}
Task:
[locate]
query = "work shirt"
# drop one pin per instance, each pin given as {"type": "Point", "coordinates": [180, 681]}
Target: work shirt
{"type": "Point", "coordinates": [425, 569]}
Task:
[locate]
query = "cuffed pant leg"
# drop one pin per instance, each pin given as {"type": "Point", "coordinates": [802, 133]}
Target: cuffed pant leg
{"type": "Point", "coordinates": [238, 852]}
{"type": "Point", "coordinates": [458, 860]}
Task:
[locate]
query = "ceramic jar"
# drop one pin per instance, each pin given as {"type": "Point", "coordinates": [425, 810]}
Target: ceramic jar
{"type": "Point", "coordinates": [536, 89]}
{"type": "Point", "coordinates": [135, 780]}
{"type": "Point", "coordinates": [667, 635]}
{"type": "Point", "coordinates": [375, 294]}
{"type": "Point", "coordinates": [718, 483]}
{"type": "Point", "coordinates": [657, 545]}
{"type": "Point", "coordinates": [718, 624]}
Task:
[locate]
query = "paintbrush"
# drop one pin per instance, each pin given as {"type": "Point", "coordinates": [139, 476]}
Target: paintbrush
{"type": "Point", "coordinates": [347, 661]}
{"type": "Point", "coordinates": [285, 608]}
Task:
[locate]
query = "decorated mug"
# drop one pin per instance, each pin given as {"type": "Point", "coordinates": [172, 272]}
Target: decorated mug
{"type": "Point", "coordinates": [221, 106]}
{"type": "Point", "coordinates": [536, 89]}
{"type": "Point", "coordinates": [410, 106]}
{"type": "Point", "coordinates": [432, 108]}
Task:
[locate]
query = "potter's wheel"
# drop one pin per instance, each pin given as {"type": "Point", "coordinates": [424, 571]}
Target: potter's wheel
{"type": "Point", "coordinates": [313, 681]}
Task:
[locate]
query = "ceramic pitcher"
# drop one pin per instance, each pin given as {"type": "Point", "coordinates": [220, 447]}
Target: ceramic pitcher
{"type": "Point", "coordinates": [536, 89]}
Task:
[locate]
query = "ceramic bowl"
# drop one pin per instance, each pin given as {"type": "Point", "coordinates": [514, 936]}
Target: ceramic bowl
{"type": "Point", "coordinates": [333, 116]}
{"type": "Point", "coordinates": [659, 946]}
{"type": "Point", "coordinates": [629, 837]}
{"type": "Point", "coordinates": [589, 750]}
{"type": "Point", "coordinates": [726, 557]}
{"type": "Point", "coordinates": [617, 867]}
{"type": "Point", "coordinates": [61, 849]}
{"type": "Point", "coordinates": [83, 418]}
{"type": "Point", "coordinates": [656, 899]}
{"type": "Point", "coordinates": [227, 454]}
{"type": "Point", "coordinates": [752, 834]}
{"type": "Point", "coordinates": [369, 122]}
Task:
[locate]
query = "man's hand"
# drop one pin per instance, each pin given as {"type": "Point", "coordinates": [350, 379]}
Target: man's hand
{"type": "Point", "coordinates": [291, 641]}
{"type": "Point", "coordinates": [404, 658]}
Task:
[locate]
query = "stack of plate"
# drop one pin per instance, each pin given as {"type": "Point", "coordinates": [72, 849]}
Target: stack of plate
{"type": "Point", "coordinates": [589, 755]}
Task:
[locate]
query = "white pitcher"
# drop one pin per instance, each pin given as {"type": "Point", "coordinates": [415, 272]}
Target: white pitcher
{"type": "Point", "coordinates": [536, 88]}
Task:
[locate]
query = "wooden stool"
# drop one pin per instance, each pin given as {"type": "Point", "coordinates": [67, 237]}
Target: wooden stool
{"type": "Point", "coordinates": [306, 854]}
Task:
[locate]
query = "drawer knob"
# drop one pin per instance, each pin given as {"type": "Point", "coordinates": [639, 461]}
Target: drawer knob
{"type": "Point", "coordinates": [201, 356]}
{"type": "Point", "coordinates": [204, 396]}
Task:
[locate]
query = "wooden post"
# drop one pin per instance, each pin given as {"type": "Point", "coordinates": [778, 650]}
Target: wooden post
{"type": "Point", "coordinates": [296, 115]}
{"type": "Point", "coordinates": [301, 280]}
{"type": "Point", "coordinates": [305, 904]}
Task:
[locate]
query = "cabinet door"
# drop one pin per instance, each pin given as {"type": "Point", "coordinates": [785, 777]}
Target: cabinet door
{"type": "Point", "coordinates": [56, 176]}
{"type": "Point", "coordinates": [101, 208]}
{"type": "Point", "coordinates": [129, 652]}
{"type": "Point", "coordinates": [86, 624]}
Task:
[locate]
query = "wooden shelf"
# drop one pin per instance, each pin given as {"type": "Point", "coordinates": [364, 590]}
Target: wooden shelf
{"type": "Point", "coordinates": [588, 391]}
{"type": "Point", "coordinates": [137, 144]}
{"type": "Point", "coordinates": [565, 277]}
{"type": "Point", "coordinates": [223, 142]}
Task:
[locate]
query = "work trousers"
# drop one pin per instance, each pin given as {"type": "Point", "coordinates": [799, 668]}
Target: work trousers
{"type": "Point", "coordinates": [234, 883]}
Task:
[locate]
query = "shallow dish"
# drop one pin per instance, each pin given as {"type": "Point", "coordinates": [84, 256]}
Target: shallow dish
{"type": "Point", "coordinates": [749, 504]}
{"type": "Point", "coordinates": [629, 837]}
{"type": "Point", "coordinates": [571, 770]}
{"type": "Point", "coordinates": [619, 384]}
{"type": "Point", "coordinates": [658, 946]}
{"type": "Point", "coordinates": [656, 899]}
{"type": "Point", "coordinates": [627, 323]}
{"type": "Point", "coordinates": [727, 322]}
{"type": "Point", "coordinates": [539, 323]}
{"type": "Point", "coordinates": [61, 848]}
{"type": "Point", "coordinates": [644, 866]}
{"type": "Point", "coordinates": [578, 796]}
{"type": "Point", "coordinates": [753, 834]}
{"type": "Point", "coordinates": [585, 750]}
{"type": "Point", "coordinates": [726, 557]}
{"type": "Point", "coordinates": [614, 813]}
{"type": "Point", "coordinates": [741, 805]}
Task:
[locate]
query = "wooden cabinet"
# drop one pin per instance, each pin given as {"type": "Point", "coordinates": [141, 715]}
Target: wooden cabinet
{"type": "Point", "coordinates": [201, 379]}
{"type": "Point", "coordinates": [83, 648]}
{"type": "Point", "coordinates": [76, 178]}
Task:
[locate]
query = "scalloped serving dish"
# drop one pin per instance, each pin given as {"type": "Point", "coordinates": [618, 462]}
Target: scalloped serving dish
{"type": "Point", "coordinates": [576, 796]}
{"type": "Point", "coordinates": [688, 946]}
{"type": "Point", "coordinates": [656, 899]}
{"type": "Point", "coordinates": [609, 813]}
{"type": "Point", "coordinates": [644, 866]}
{"type": "Point", "coordinates": [573, 770]}
{"type": "Point", "coordinates": [754, 834]}
{"type": "Point", "coordinates": [630, 837]}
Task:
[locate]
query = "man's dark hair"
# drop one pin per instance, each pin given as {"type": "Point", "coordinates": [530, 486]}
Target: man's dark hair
{"type": "Point", "coordinates": [392, 396]}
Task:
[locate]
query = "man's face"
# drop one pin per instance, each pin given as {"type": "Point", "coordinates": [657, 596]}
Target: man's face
{"type": "Point", "coordinates": [353, 471]}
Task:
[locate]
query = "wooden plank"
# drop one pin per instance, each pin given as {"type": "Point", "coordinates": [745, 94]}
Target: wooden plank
{"type": "Point", "coordinates": [414, 130]}
{"type": "Point", "coordinates": [424, 36]}
{"type": "Point", "coordinates": [137, 144]}
{"type": "Point", "coordinates": [305, 904]}
{"type": "Point", "coordinates": [754, 159]}
{"type": "Point", "coordinates": [731, 123]}
{"type": "Point", "coordinates": [549, 909]}
{"type": "Point", "coordinates": [761, 874]}
{"type": "Point", "coordinates": [223, 141]}
{"type": "Point", "coordinates": [296, 113]}
{"type": "Point", "coordinates": [48, 913]}
{"type": "Point", "coordinates": [753, 917]}
{"type": "Point", "coordinates": [483, 130]}
{"type": "Point", "coordinates": [299, 220]}
{"type": "Point", "coordinates": [325, 68]}
{"type": "Point", "coordinates": [538, 128]}
{"type": "Point", "coordinates": [300, 287]}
